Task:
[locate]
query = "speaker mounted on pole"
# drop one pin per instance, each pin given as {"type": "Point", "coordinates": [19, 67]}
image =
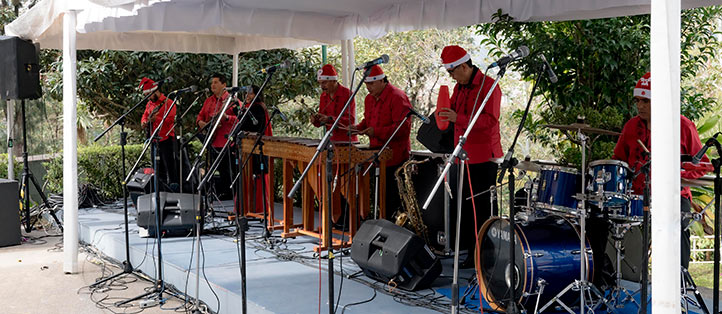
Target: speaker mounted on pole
{"type": "Point", "coordinates": [19, 69]}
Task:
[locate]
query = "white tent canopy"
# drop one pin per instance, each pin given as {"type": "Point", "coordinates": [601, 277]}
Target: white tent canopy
{"type": "Point", "coordinates": [233, 26]}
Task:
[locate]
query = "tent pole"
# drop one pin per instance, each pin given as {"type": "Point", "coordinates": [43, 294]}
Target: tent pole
{"type": "Point", "coordinates": [70, 144]}
{"type": "Point", "coordinates": [235, 70]}
{"type": "Point", "coordinates": [665, 63]}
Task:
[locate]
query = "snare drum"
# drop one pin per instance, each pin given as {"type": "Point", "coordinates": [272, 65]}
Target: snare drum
{"type": "Point", "coordinates": [632, 211]}
{"type": "Point", "coordinates": [556, 188]}
{"type": "Point", "coordinates": [615, 179]}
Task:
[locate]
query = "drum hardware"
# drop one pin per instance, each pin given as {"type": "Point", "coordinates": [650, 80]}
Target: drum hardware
{"type": "Point", "coordinates": [696, 216]}
{"type": "Point", "coordinates": [688, 285]}
{"type": "Point", "coordinates": [618, 291]}
{"type": "Point", "coordinates": [587, 291]}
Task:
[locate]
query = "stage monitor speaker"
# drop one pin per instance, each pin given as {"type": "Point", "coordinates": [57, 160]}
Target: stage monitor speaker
{"type": "Point", "coordinates": [178, 213]}
{"type": "Point", "coordinates": [9, 213]}
{"type": "Point", "coordinates": [139, 184]}
{"type": "Point", "coordinates": [19, 69]}
{"type": "Point", "coordinates": [385, 252]}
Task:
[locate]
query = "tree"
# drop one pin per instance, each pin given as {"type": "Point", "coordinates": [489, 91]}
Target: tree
{"type": "Point", "coordinates": [598, 63]}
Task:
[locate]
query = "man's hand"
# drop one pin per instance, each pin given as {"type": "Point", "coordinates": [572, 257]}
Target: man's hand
{"type": "Point", "coordinates": [319, 118]}
{"type": "Point", "coordinates": [202, 124]}
{"type": "Point", "coordinates": [448, 114]}
{"type": "Point", "coordinates": [368, 131]}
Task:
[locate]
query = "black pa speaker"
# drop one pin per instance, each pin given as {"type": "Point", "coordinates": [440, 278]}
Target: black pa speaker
{"type": "Point", "coordinates": [19, 69]}
{"type": "Point", "coordinates": [386, 252]}
{"type": "Point", "coordinates": [9, 213]}
{"type": "Point", "coordinates": [139, 184]}
{"type": "Point", "coordinates": [178, 212]}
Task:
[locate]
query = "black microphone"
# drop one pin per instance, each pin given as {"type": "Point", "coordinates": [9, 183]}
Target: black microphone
{"type": "Point", "coordinates": [205, 90]}
{"type": "Point", "coordinates": [283, 116]}
{"type": "Point", "coordinates": [520, 52]}
{"type": "Point", "coordinates": [550, 72]}
{"type": "Point", "coordinates": [421, 117]}
{"type": "Point", "coordinates": [700, 154]}
{"type": "Point", "coordinates": [237, 89]}
{"type": "Point", "coordinates": [384, 58]}
{"type": "Point", "coordinates": [163, 81]}
{"type": "Point", "coordinates": [273, 68]}
{"type": "Point", "coordinates": [191, 89]}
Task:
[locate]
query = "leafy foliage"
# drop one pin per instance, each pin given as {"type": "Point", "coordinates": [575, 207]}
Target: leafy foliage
{"type": "Point", "coordinates": [98, 166]}
{"type": "Point", "coordinates": [598, 63]}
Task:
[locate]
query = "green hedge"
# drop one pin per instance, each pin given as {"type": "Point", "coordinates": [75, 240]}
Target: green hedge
{"type": "Point", "coordinates": [4, 167]}
{"type": "Point", "coordinates": [98, 166]}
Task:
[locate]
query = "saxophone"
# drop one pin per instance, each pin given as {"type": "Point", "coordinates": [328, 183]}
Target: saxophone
{"type": "Point", "coordinates": [412, 213]}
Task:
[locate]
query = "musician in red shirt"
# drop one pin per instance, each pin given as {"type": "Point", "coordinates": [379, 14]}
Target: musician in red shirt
{"type": "Point", "coordinates": [483, 145]}
{"type": "Point", "coordinates": [629, 151]}
{"type": "Point", "coordinates": [384, 108]}
{"type": "Point", "coordinates": [206, 117]}
{"type": "Point", "coordinates": [158, 104]}
{"type": "Point", "coordinates": [333, 97]}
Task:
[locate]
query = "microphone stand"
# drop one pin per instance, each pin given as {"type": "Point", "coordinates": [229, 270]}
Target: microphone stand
{"type": "Point", "coordinates": [645, 236]}
{"type": "Point", "coordinates": [458, 154]}
{"type": "Point", "coordinates": [241, 222]}
{"type": "Point", "coordinates": [181, 145]}
{"type": "Point", "coordinates": [717, 225]}
{"type": "Point", "coordinates": [326, 145]}
{"type": "Point", "coordinates": [259, 144]}
{"type": "Point", "coordinates": [209, 137]}
{"type": "Point", "coordinates": [127, 266]}
{"type": "Point", "coordinates": [508, 164]}
{"type": "Point", "coordinates": [160, 284]}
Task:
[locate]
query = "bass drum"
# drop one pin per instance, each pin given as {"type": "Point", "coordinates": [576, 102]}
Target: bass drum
{"type": "Point", "coordinates": [549, 250]}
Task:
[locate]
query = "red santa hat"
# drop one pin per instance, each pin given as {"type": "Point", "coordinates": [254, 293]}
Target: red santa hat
{"type": "Point", "coordinates": [327, 73]}
{"type": "Point", "coordinates": [644, 87]}
{"type": "Point", "coordinates": [454, 55]}
{"type": "Point", "coordinates": [376, 74]}
{"type": "Point", "coordinates": [147, 85]}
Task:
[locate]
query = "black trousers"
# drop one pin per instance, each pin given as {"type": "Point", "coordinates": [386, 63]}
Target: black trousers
{"type": "Point", "coordinates": [226, 171]}
{"type": "Point", "coordinates": [483, 176]}
{"type": "Point", "coordinates": [393, 199]}
{"type": "Point", "coordinates": [168, 166]}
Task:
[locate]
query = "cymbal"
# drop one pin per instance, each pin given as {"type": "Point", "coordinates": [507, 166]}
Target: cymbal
{"type": "Point", "coordinates": [528, 166]}
{"type": "Point", "coordinates": [581, 127]}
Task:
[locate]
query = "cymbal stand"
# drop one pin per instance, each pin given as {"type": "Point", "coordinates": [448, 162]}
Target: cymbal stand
{"type": "Point", "coordinates": [587, 291]}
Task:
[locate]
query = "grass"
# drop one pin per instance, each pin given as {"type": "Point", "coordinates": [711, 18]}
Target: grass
{"type": "Point", "coordinates": [702, 274]}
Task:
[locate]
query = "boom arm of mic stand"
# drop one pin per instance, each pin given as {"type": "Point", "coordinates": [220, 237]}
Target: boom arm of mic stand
{"type": "Point", "coordinates": [462, 139]}
{"type": "Point", "coordinates": [122, 117]}
{"type": "Point", "coordinates": [209, 139]}
{"type": "Point", "coordinates": [255, 144]}
{"type": "Point", "coordinates": [175, 123]}
{"type": "Point", "coordinates": [234, 130]}
{"type": "Point", "coordinates": [507, 164]}
{"type": "Point", "coordinates": [327, 137]}
{"type": "Point", "coordinates": [150, 140]}
{"type": "Point", "coordinates": [378, 154]}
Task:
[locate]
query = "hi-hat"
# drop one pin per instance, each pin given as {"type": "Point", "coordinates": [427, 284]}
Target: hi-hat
{"type": "Point", "coordinates": [581, 127]}
{"type": "Point", "coordinates": [528, 166]}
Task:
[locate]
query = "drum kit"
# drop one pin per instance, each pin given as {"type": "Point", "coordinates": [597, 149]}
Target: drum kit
{"type": "Point", "coordinates": [553, 262]}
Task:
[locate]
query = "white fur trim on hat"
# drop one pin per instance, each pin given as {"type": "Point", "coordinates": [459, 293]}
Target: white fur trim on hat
{"type": "Point", "coordinates": [320, 77]}
{"type": "Point", "coordinates": [375, 78]}
{"type": "Point", "coordinates": [643, 92]}
{"type": "Point", "coordinates": [456, 63]}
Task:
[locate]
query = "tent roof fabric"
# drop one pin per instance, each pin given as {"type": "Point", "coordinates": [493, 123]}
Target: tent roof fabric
{"type": "Point", "coordinates": [232, 26]}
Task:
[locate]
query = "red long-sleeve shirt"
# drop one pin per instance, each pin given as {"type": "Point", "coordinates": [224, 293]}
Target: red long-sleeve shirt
{"type": "Point", "coordinates": [332, 107]}
{"type": "Point", "coordinates": [384, 115]}
{"type": "Point", "coordinates": [168, 123]}
{"type": "Point", "coordinates": [484, 141]}
{"type": "Point", "coordinates": [629, 151]}
{"type": "Point", "coordinates": [211, 107]}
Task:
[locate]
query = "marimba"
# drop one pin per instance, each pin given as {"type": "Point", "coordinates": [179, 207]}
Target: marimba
{"type": "Point", "coordinates": [296, 153]}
